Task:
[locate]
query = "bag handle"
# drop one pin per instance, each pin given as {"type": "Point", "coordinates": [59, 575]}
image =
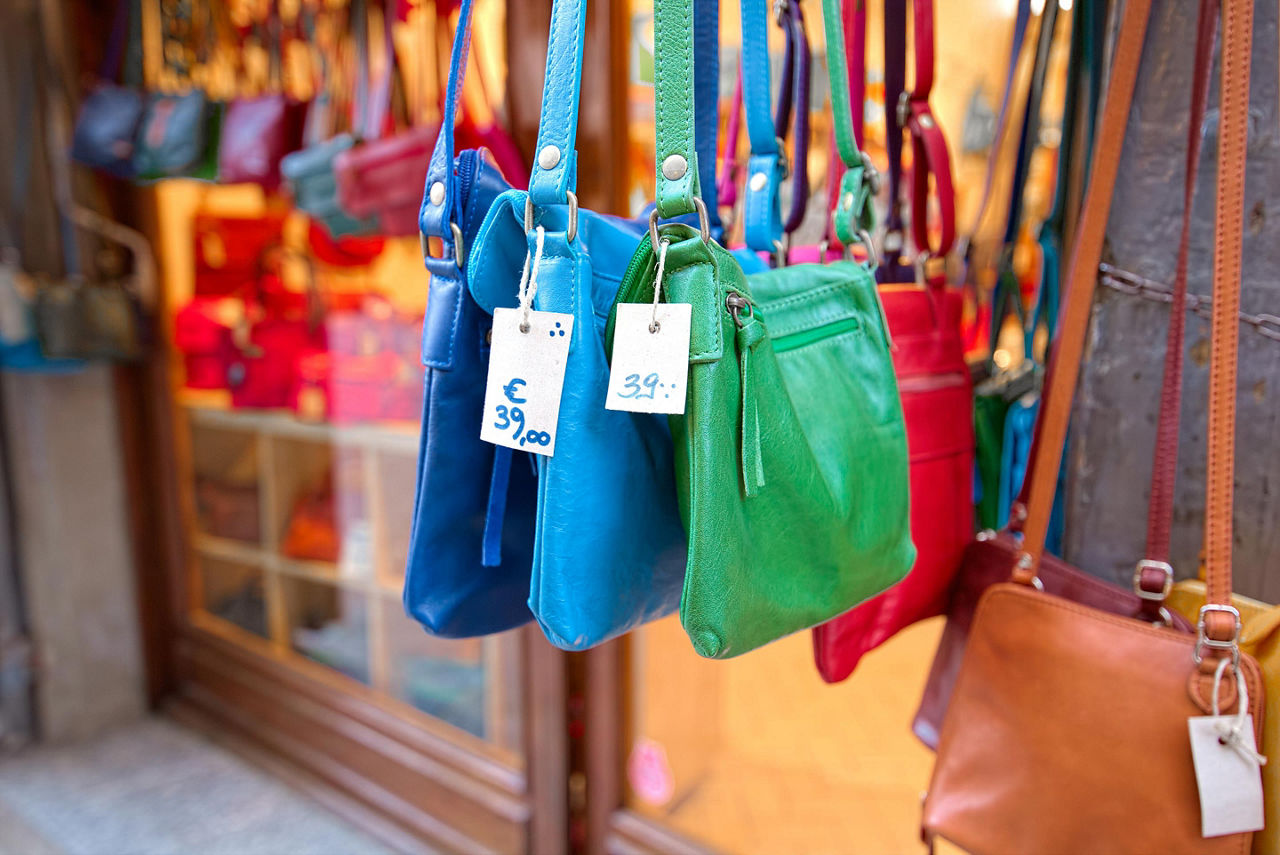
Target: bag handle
{"type": "Point", "coordinates": [793, 97]}
{"type": "Point", "coordinates": [928, 144]}
{"type": "Point", "coordinates": [675, 155]}
{"type": "Point", "coordinates": [555, 168]}
{"type": "Point", "coordinates": [438, 197]}
{"type": "Point", "coordinates": [706, 102]}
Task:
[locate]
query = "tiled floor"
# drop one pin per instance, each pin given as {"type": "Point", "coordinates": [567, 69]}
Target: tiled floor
{"type": "Point", "coordinates": [155, 788]}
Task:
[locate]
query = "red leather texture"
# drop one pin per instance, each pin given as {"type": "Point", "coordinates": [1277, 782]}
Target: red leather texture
{"type": "Point", "coordinates": [937, 402]}
{"type": "Point", "coordinates": [384, 178]}
{"type": "Point", "coordinates": [256, 134]}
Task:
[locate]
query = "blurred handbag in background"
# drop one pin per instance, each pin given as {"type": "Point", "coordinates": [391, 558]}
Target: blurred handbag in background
{"type": "Point", "coordinates": [228, 250]}
{"type": "Point", "coordinates": [106, 127]}
{"type": "Point", "coordinates": [178, 137]}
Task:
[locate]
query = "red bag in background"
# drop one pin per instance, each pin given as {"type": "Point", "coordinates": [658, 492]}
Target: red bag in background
{"type": "Point", "coordinates": [256, 134]}
{"type": "Point", "coordinates": [205, 341]}
{"type": "Point", "coordinates": [937, 402]}
{"type": "Point", "coordinates": [228, 250]}
{"type": "Point", "coordinates": [263, 371]}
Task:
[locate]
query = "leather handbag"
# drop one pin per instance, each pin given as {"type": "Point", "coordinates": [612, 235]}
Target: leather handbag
{"type": "Point", "coordinates": [310, 170]}
{"type": "Point", "coordinates": [790, 456]}
{"type": "Point", "coordinates": [985, 560]}
{"type": "Point", "coordinates": [1069, 722]}
{"type": "Point", "coordinates": [178, 137]}
{"type": "Point", "coordinates": [609, 549]}
{"type": "Point", "coordinates": [933, 381]}
{"type": "Point", "coordinates": [380, 177]}
{"type": "Point", "coordinates": [106, 126]}
{"type": "Point", "coordinates": [469, 558]}
{"type": "Point", "coordinates": [1260, 622]}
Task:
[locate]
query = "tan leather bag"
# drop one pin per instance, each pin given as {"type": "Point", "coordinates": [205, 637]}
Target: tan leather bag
{"type": "Point", "coordinates": [1067, 731]}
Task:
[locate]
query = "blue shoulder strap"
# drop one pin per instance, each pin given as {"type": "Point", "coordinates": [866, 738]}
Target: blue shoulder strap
{"type": "Point", "coordinates": [767, 166]}
{"type": "Point", "coordinates": [438, 197]}
{"type": "Point", "coordinates": [706, 100]}
{"type": "Point", "coordinates": [555, 160]}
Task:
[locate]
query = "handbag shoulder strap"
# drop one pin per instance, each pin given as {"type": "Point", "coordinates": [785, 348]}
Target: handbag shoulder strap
{"type": "Point", "coordinates": [767, 166]}
{"type": "Point", "coordinates": [793, 97]}
{"type": "Point", "coordinates": [675, 156]}
{"type": "Point", "coordinates": [555, 164]}
{"type": "Point", "coordinates": [930, 157]}
{"type": "Point", "coordinates": [706, 101]}
{"type": "Point", "coordinates": [436, 219]}
{"type": "Point", "coordinates": [855, 213]}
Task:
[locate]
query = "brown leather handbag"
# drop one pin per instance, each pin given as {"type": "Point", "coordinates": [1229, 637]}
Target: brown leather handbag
{"type": "Point", "coordinates": [1067, 730]}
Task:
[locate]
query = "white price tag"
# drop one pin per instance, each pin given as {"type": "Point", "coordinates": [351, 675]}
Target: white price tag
{"type": "Point", "coordinates": [526, 379]}
{"type": "Point", "coordinates": [1228, 776]}
{"type": "Point", "coordinates": [650, 366]}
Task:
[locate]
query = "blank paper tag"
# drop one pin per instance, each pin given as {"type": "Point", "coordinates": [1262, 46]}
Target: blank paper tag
{"type": "Point", "coordinates": [650, 369]}
{"type": "Point", "coordinates": [526, 378]}
{"type": "Point", "coordinates": [1230, 783]}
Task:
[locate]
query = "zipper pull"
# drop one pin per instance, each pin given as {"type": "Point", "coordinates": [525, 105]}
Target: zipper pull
{"type": "Point", "coordinates": [750, 333]}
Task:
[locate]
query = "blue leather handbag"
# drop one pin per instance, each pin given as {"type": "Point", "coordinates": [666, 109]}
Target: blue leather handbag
{"type": "Point", "coordinates": [471, 543]}
{"type": "Point", "coordinates": [610, 547]}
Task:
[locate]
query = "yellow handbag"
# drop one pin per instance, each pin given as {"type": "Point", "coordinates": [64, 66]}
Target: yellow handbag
{"type": "Point", "coordinates": [1260, 638]}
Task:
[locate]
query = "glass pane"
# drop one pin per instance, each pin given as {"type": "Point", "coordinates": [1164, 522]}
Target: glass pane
{"type": "Point", "coordinates": [226, 483]}
{"type": "Point", "coordinates": [329, 624]}
{"type": "Point", "coordinates": [234, 592]}
{"type": "Point", "coordinates": [472, 684]}
{"type": "Point", "coordinates": [758, 755]}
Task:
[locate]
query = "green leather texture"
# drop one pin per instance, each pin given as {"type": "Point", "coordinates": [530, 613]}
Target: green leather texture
{"type": "Point", "coordinates": [791, 456]}
{"type": "Point", "coordinates": [855, 211]}
{"type": "Point", "coordinates": [673, 114]}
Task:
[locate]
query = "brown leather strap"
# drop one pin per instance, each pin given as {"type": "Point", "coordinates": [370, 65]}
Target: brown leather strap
{"type": "Point", "coordinates": [1233, 135]}
{"type": "Point", "coordinates": [1164, 471]}
{"type": "Point", "coordinates": [1064, 362]}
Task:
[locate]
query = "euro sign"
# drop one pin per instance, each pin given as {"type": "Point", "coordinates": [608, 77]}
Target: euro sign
{"type": "Point", "coordinates": [511, 389]}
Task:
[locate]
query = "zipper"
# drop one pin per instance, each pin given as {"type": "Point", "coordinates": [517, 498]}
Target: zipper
{"type": "Point", "coordinates": [811, 336]}
{"type": "Point", "coordinates": [466, 169]}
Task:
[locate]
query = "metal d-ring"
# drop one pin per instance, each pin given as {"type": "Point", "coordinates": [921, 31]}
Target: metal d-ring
{"type": "Point", "coordinates": [704, 223]}
{"type": "Point", "coordinates": [873, 257]}
{"type": "Point", "coordinates": [459, 246]}
{"type": "Point", "coordinates": [571, 232]}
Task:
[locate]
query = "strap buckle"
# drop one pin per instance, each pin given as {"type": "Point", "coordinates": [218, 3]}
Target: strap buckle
{"type": "Point", "coordinates": [870, 175]}
{"type": "Point", "coordinates": [704, 222]}
{"type": "Point", "coordinates": [1150, 564]}
{"type": "Point", "coordinates": [571, 232]}
{"type": "Point", "coordinates": [1203, 641]}
{"type": "Point", "coordinates": [459, 245]}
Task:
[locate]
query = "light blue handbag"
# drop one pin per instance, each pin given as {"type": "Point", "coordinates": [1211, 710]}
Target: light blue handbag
{"type": "Point", "coordinates": [610, 548]}
{"type": "Point", "coordinates": [471, 544]}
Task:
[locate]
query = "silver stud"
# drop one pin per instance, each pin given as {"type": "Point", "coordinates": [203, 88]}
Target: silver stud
{"type": "Point", "coordinates": [549, 157]}
{"type": "Point", "coordinates": [674, 167]}
{"type": "Point", "coordinates": [758, 181]}
{"type": "Point", "coordinates": [926, 121]}
{"type": "Point", "coordinates": [437, 193]}
{"type": "Point", "coordinates": [847, 201]}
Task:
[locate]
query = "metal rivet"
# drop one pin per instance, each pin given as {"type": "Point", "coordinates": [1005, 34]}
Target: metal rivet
{"type": "Point", "coordinates": [549, 157]}
{"type": "Point", "coordinates": [926, 121]}
{"type": "Point", "coordinates": [674, 167]}
{"type": "Point", "coordinates": [758, 181]}
{"type": "Point", "coordinates": [847, 201]}
{"type": "Point", "coordinates": [437, 193]}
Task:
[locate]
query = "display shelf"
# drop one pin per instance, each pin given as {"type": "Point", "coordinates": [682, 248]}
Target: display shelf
{"type": "Point", "coordinates": [225, 549]}
{"type": "Point", "coordinates": [213, 409]}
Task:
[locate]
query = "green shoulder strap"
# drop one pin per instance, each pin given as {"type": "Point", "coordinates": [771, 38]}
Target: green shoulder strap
{"type": "Point", "coordinates": [855, 214]}
{"type": "Point", "coordinates": [677, 161]}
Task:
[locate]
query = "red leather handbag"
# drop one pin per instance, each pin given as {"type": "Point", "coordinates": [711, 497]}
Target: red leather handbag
{"type": "Point", "coordinates": [383, 176]}
{"type": "Point", "coordinates": [228, 250]}
{"type": "Point", "coordinates": [205, 342]}
{"type": "Point", "coordinates": [933, 379]}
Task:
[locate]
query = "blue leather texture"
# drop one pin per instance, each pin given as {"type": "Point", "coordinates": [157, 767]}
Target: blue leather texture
{"type": "Point", "coordinates": [610, 549]}
{"type": "Point", "coordinates": [762, 206]}
{"type": "Point", "coordinates": [706, 103]}
{"type": "Point", "coordinates": [471, 542]}
{"type": "Point", "coordinates": [558, 124]}
{"type": "Point", "coordinates": [106, 129]}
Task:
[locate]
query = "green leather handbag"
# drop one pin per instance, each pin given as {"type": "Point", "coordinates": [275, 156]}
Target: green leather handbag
{"type": "Point", "coordinates": [791, 455]}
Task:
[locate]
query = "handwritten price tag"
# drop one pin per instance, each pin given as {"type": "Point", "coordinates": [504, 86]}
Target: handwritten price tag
{"type": "Point", "coordinates": [650, 367]}
{"type": "Point", "coordinates": [526, 379]}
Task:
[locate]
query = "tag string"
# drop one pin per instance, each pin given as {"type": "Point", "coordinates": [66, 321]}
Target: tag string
{"type": "Point", "coordinates": [654, 326]}
{"type": "Point", "coordinates": [529, 278]}
{"type": "Point", "coordinates": [1231, 733]}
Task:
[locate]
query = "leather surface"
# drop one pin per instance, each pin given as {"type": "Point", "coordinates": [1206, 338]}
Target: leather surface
{"type": "Point", "coordinates": [382, 178]}
{"type": "Point", "coordinates": [311, 178]}
{"type": "Point", "coordinates": [106, 129]}
{"type": "Point", "coordinates": [989, 561]}
{"type": "Point", "coordinates": [673, 107]}
{"type": "Point", "coordinates": [256, 134]}
{"type": "Point", "coordinates": [449, 587]}
{"type": "Point", "coordinates": [1068, 733]}
{"type": "Point", "coordinates": [933, 381]}
{"type": "Point", "coordinates": [610, 549]}
{"type": "Point", "coordinates": [558, 127]}
{"type": "Point", "coordinates": [791, 466]}
{"type": "Point", "coordinates": [173, 137]}
{"type": "Point", "coordinates": [1260, 638]}
{"type": "Point", "coordinates": [762, 201]}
